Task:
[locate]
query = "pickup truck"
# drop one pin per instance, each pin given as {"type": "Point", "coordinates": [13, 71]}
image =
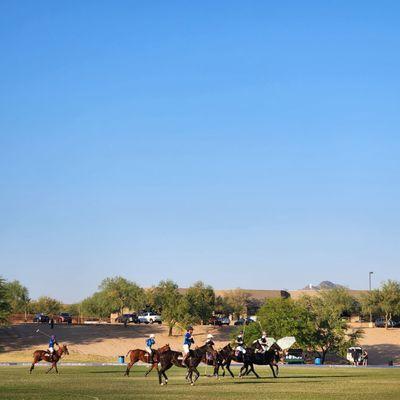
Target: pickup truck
{"type": "Point", "coordinates": [149, 318]}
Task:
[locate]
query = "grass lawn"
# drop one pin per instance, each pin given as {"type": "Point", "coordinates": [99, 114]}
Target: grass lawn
{"type": "Point", "coordinates": [109, 383]}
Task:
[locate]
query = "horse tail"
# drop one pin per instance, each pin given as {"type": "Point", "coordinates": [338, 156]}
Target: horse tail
{"type": "Point", "coordinates": [127, 354]}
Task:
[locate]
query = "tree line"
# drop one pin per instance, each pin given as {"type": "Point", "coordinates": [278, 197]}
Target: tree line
{"type": "Point", "coordinates": [311, 319]}
{"type": "Point", "coordinates": [116, 294]}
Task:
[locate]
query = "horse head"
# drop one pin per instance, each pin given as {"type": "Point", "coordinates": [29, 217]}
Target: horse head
{"type": "Point", "coordinates": [63, 350]}
{"type": "Point", "coordinates": [164, 348]}
{"type": "Point", "coordinates": [210, 349]}
{"type": "Point", "coordinates": [257, 346]}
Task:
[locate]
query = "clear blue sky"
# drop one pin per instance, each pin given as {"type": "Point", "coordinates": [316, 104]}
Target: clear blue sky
{"type": "Point", "coordinates": [250, 145]}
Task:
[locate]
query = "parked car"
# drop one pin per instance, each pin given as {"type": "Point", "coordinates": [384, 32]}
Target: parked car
{"type": "Point", "coordinates": [40, 317]}
{"type": "Point", "coordinates": [380, 323]}
{"type": "Point", "coordinates": [243, 321]}
{"type": "Point", "coordinates": [218, 321]}
{"type": "Point", "coordinates": [224, 321]}
{"type": "Point", "coordinates": [149, 318]}
{"type": "Point", "coordinates": [213, 320]}
{"type": "Point", "coordinates": [127, 318]}
{"type": "Point", "coordinates": [64, 318]}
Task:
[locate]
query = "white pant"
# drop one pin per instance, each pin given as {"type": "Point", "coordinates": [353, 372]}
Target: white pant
{"type": "Point", "coordinates": [51, 350]}
{"type": "Point", "coordinates": [148, 349]}
{"type": "Point", "coordinates": [186, 349]}
{"type": "Point", "coordinates": [241, 349]}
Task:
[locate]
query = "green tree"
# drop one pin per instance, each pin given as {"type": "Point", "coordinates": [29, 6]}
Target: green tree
{"type": "Point", "coordinates": [97, 305]}
{"type": "Point", "coordinates": [390, 299]}
{"type": "Point", "coordinates": [237, 300]}
{"type": "Point", "coordinates": [5, 306]}
{"type": "Point", "coordinates": [123, 293]}
{"type": "Point", "coordinates": [201, 299]}
{"type": "Point", "coordinates": [72, 309]}
{"type": "Point", "coordinates": [166, 299]}
{"type": "Point", "coordinates": [328, 332]}
{"type": "Point", "coordinates": [222, 306]}
{"type": "Point", "coordinates": [371, 302]}
{"type": "Point", "coordinates": [383, 301]}
{"type": "Point", "coordinates": [46, 305]}
{"type": "Point", "coordinates": [19, 297]}
{"type": "Point", "coordinates": [284, 317]}
{"type": "Point", "coordinates": [340, 301]}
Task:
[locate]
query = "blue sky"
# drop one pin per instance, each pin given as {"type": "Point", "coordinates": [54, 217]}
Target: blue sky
{"type": "Point", "coordinates": [250, 145]}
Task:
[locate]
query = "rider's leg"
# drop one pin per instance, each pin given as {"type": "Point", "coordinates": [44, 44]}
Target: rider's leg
{"type": "Point", "coordinates": [51, 351]}
{"type": "Point", "coordinates": [185, 353]}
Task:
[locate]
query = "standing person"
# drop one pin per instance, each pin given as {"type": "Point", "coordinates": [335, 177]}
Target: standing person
{"type": "Point", "coordinates": [149, 344]}
{"type": "Point", "coordinates": [187, 342]}
{"type": "Point", "coordinates": [52, 342]}
{"type": "Point", "coordinates": [365, 357]}
{"type": "Point", "coordinates": [52, 323]}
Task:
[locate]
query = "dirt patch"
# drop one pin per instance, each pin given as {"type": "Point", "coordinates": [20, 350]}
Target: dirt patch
{"type": "Point", "coordinates": [107, 342]}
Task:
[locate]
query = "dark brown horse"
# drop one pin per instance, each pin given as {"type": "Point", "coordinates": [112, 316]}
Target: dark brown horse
{"type": "Point", "coordinates": [43, 355]}
{"type": "Point", "coordinates": [167, 360]}
{"type": "Point", "coordinates": [142, 355]}
{"type": "Point", "coordinates": [193, 360]}
{"type": "Point", "coordinates": [254, 355]}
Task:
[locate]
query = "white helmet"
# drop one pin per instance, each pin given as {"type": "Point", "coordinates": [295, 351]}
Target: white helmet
{"type": "Point", "coordinates": [209, 336]}
{"type": "Point", "coordinates": [152, 336]}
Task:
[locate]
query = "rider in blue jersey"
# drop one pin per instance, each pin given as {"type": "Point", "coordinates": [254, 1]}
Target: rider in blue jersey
{"type": "Point", "coordinates": [149, 344]}
{"type": "Point", "coordinates": [52, 342]}
{"type": "Point", "coordinates": [187, 342]}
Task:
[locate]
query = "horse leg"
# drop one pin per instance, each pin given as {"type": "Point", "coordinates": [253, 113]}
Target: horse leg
{"type": "Point", "coordinates": [150, 369]}
{"type": "Point", "coordinates": [160, 375]}
{"type": "Point", "coordinates": [254, 371]}
{"type": "Point", "coordinates": [228, 367]}
{"type": "Point", "coordinates": [165, 377]}
{"type": "Point", "coordinates": [55, 366]}
{"type": "Point", "coordinates": [189, 375]}
{"type": "Point", "coordinates": [52, 366]}
{"type": "Point", "coordinates": [277, 369]}
{"type": "Point", "coordinates": [128, 367]}
{"type": "Point", "coordinates": [32, 366]}
{"type": "Point", "coordinates": [243, 368]}
{"type": "Point", "coordinates": [196, 376]}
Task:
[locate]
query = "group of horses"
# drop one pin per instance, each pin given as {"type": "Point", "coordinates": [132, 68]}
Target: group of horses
{"type": "Point", "coordinates": [164, 358]}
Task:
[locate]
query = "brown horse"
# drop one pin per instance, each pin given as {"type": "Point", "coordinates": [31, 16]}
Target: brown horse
{"type": "Point", "coordinates": [193, 360]}
{"type": "Point", "coordinates": [167, 360]}
{"type": "Point", "coordinates": [43, 355]}
{"type": "Point", "coordinates": [142, 355]}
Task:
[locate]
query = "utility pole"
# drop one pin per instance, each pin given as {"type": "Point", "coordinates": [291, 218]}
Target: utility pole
{"type": "Point", "coordinates": [370, 288]}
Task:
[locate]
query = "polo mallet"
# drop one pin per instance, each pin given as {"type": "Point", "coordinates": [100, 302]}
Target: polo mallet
{"type": "Point", "coordinates": [43, 333]}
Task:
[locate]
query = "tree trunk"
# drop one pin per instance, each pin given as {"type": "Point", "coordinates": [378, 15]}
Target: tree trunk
{"type": "Point", "coordinates": [170, 327]}
{"type": "Point", "coordinates": [323, 356]}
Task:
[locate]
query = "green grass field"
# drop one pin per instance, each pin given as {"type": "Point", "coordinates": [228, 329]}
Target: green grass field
{"type": "Point", "coordinates": [109, 383]}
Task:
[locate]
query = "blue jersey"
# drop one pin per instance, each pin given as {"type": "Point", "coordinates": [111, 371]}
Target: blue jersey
{"type": "Point", "coordinates": [150, 342]}
{"type": "Point", "coordinates": [52, 342]}
{"type": "Point", "coordinates": [188, 339]}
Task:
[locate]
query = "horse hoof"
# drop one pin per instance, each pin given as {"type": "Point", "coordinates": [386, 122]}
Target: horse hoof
{"type": "Point", "coordinates": [192, 384]}
{"type": "Point", "coordinates": [162, 383]}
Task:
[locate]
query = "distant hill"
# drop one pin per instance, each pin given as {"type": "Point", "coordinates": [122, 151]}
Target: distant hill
{"type": "Point", "coordinates": [324, 285]}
